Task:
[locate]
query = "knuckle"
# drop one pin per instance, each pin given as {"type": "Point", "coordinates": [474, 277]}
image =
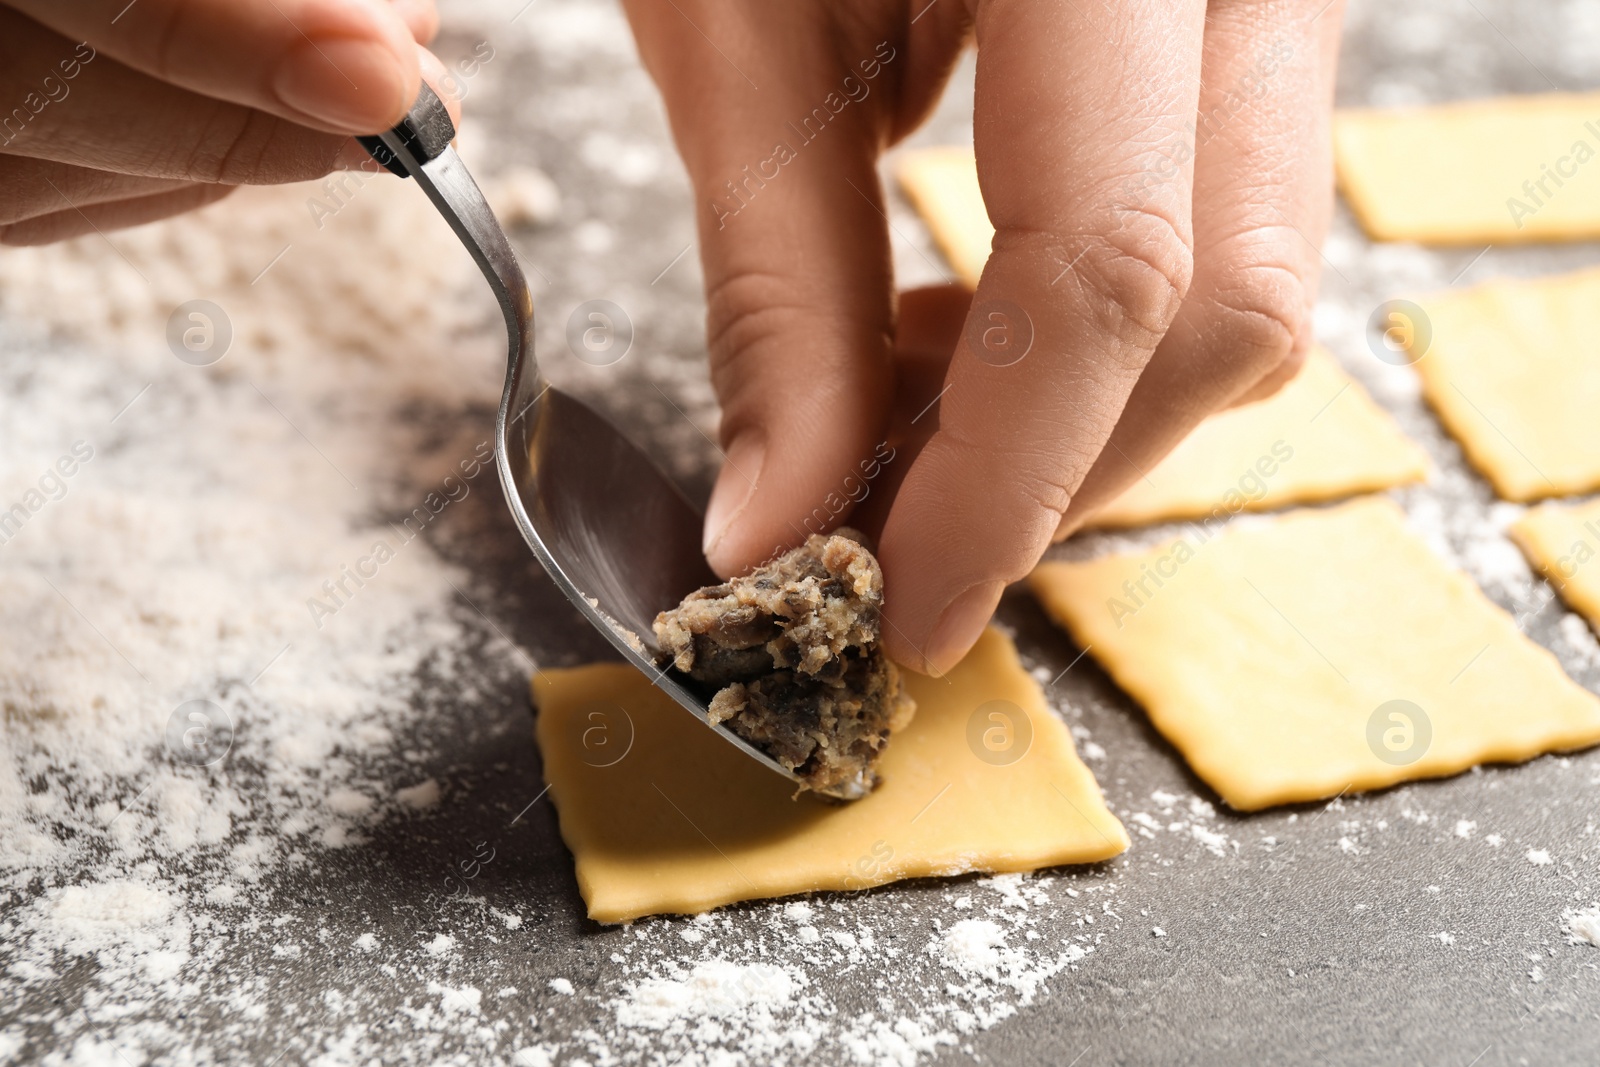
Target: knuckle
{"type": "Point", "coordinates": [1049, 494]}
{"type": "Point", "coordinates": [746, 311]}
{"type": "Point", "coordinates": [1135, 275]}
{"type": "Point", "coordinates": [217, 147]}
{"type": "Point", "coordinates": [1259, 307]}
{"type": "Point", "coordinates": [242, 148]}
{"type": "Point", "coordinates": [233, 145]}
{"type": "Point", "coordinates": [762, 325]}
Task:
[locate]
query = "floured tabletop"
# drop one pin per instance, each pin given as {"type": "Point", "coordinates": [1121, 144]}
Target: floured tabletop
{"type": "Point", "coordinates": [348, 856]}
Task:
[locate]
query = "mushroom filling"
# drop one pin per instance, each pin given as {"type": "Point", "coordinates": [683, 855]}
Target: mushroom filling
{"type": "Point", "coordinates": [791, 652]}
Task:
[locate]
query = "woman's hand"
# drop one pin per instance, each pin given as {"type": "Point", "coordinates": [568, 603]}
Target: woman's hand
{"type": "Point", "coordinates": [1159, 179]}
{"type": "Point", "coordinates": [114, 113]}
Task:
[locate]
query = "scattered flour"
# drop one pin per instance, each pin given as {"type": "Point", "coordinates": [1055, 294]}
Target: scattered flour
{"type": "Point", "coordinates": [982, 970]}
{"type": "Point", "coordinates": [1579, 638]}
{"type": "Point", "coordinates": [1582, 926]}
{"type": "Point", "coordinates": [1215, 843]}
{"type": "Point", "coordinates": [191, 556]}
{"type": "Point", "coordinates": [177, 565]}
{"type": "Point", "coordinates": [419, 797]}
{"type": "Point", "coordinates": [1539, 857]}
{"type": "Point", "coordinates": [714, 989]}
{"type": "Point", "coordinates": [799, 912]}
{"type": "Point", "coordinates": [973, 946]}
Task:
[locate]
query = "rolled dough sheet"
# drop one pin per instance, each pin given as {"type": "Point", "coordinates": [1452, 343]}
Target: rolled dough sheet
{"type": "Point", "coordinates": [1563, 542]}
{"type": "Point", "coordinates": [1509, 169]}
{"type": "Point", "coordinates": [683, 822]}
{"type": "Point", "coordinates": [1513, 369]}
{"type": "Point", "coordinates": [1270, 653]}
{"type": "Point", "coordinates": [1320, 437]}
{"type": "Point", "coordinates": [943, 186]}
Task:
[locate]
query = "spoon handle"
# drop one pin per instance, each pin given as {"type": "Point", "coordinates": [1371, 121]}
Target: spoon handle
{"type": "Point", "coordinates": [419, 147]}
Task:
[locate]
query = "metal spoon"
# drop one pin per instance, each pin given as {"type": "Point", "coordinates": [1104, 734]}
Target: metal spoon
{"type": "Point", "coordinates": [613, 531]}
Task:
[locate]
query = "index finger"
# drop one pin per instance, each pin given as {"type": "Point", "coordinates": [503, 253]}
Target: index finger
{"type": "Point", "coordinates": [1076, 103]}
{"type": "Point", "coordinates": [347, 66]}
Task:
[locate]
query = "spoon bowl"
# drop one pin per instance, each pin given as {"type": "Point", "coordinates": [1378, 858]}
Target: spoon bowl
{"type": "Point", "coordinates": [614, 533]}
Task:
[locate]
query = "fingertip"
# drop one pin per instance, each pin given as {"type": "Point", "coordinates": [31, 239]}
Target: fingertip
{"type": "Point", "coordinates": [960, 624]}
{"type": "Point", "coordinates": [963, 526]}
{"type": "Point", "coordinates": [899, 649]}
{"type": "Point", "coordinates": [933, 641]}
{"type": "Point", "coordinates": [347, 85]}
{"type": "Point", "coordinates": [351, 69]}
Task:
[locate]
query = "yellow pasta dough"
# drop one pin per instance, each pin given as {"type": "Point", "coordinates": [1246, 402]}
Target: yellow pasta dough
{"type": "Point", "coordinates": [1319, 652]}
{"type": "Point", "coordinates": [943, 185]}
{"type": "Point", "coordinates": [1563, 542]}
{"type": "Point", "coordinates": [1502, 170]}
{"type": "Point", "coordinates": [663, 816]}
{"type": "Point", "coordinates": [1318, 438]}
{"type": "Point", "coordinates": [1511, 366]}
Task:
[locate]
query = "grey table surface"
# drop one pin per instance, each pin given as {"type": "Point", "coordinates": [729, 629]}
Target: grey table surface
{"type": "Point", "coordinates": [1314, 939]}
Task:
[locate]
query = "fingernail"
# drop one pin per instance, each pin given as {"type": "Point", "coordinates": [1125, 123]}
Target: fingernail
{"type": "Point", "coordinates": [960, 625]}
{"type": "Point", "coordinates": [741, 473]}
{"type": "Point", "coordinates": [356, 86]}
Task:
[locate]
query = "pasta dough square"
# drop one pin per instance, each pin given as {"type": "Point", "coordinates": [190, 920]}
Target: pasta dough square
{"type": "Point", "coordinates": [1563, 543]}
{"type": "Point", "coordinates": [1513, 369]}
{"type": "Point", "coordinates": [1327, 650]}
{"type": "Point", "coordinates": [942, 184]}
{"type": "Point", "coordinates": [662, 816]}
{"type": "Point", "coordinates": [1503, 170]}
{"type": "Point", "coordinates": [1318, 438]}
